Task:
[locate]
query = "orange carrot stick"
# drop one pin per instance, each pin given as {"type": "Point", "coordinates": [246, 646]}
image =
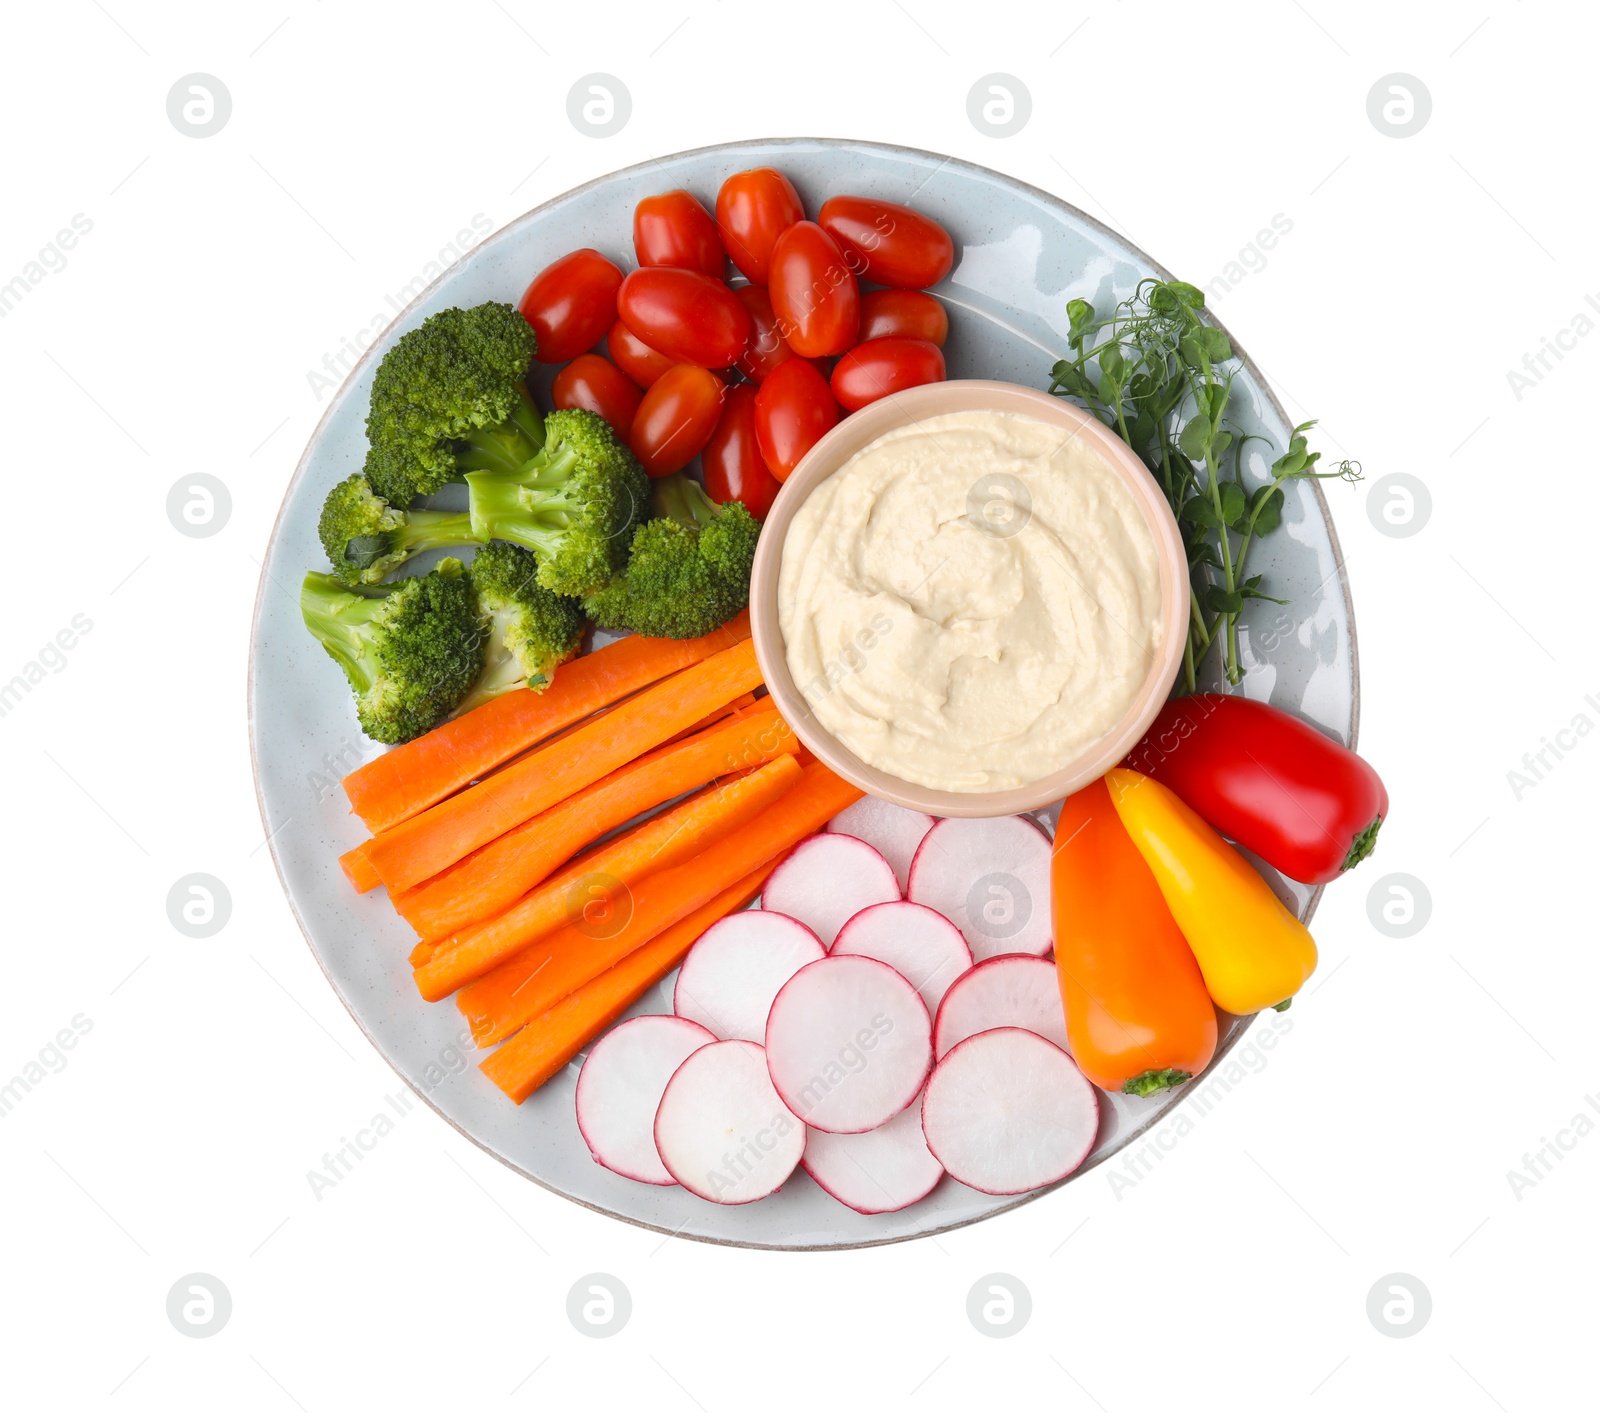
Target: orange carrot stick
{"type": "Point", "coordinates": [358, 868]}
{"type": "Point", "coordinates": [494, 877]}
{"type": "Point", "coordinates": [547, 1044]}
{"type": "Point", "coordinates": [540, 975]}
{"type": "Point", "coordinates": [430, 842]}
{"type": "Point", "coordinates": [594, 889]}
{"type": "Point", "coordinates": [405, 781]}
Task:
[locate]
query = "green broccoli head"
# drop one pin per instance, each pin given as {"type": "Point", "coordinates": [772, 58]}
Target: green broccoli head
{"type": "Point", "coordinates": [531, 631]}
{"type": "Point", "coordinates": [575, 504]}
{"type": "Point", "coordinates": [366, 538]}
{"type": "Point", "coordinates": [410, 651]}
{"type": "Point", "coordinates": [688, 570]}
{"type": "Point", "coordinates": [449, 398]}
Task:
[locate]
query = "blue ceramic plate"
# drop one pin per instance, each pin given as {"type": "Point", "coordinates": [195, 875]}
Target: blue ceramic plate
{"type": "Point", "coordinates": [1021, 255]}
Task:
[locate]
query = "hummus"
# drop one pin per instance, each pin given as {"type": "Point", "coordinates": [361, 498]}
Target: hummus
{"type": "Point", "coordinates": [970, 601]}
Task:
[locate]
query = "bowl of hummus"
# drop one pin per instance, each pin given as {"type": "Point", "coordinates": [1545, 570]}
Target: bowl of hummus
{"type": "Point", "coordinates": [970, 599]}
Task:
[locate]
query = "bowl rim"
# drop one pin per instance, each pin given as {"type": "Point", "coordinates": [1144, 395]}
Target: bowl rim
{"type": "Point", "coordinates": [907, 408]}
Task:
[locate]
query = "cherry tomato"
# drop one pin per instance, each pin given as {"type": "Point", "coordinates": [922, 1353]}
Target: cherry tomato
{"type": "Point", "coordinates": [903, 313]}
{"type": "Point", "coordinates": [793, 410]}
{"type": "Point", "coordinates": [676, 418]}
{"type": "Point", "coordinates": [595, 385]}
{"type": "Point", "coordinates": [571, 304]}
{"type": "Point", "coordinates": [882, 366]}
{"type": "Point", "coordinates": [767, 348]}
{"type": "Point", "coordinates": [634, 356]}
{"type": "Point", "coordinates": [674, 229]}
{"type": "Point", "coordinates": [732, 458]}
{"type": "Point", "coordinates": [901, 247]}
{"type": "Point", "coordinates": [813, 292]}
{"type": "Point", "coordinates": [753, 209]}
{"type": "Point", "coordinates": [689, 317]}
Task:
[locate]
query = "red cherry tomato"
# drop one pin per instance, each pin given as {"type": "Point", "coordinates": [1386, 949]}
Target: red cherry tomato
{"type": "Point", "coordinates": [634, 356]}
{"type": "Point", "coordinates": [676, 418]}
{"type": "Point", "coordinates": [814, 292]}
{"type": "Point", "coordinates": [674, 229]}
{"type": "Point", "coordinates": [767, 348]}
{"type": "Point", "coordinates": [793, 410]}
{"type": "Point", "coordinates": [901, 247]}
{"type": "Point", "coordinates": [732, 458]}
{"type": "Point", "coordinates": [753, 209]}
{"type": "Point", "coordinates": [595, 385]}
{"type": "Point", "coordinates": [903, 313]}
{"type": "Point", "coordinates": [571, 304]}
{"type": "Point", "coordinates": [882, 366]}
{"type": "Point", "coordinates": [688, 316]}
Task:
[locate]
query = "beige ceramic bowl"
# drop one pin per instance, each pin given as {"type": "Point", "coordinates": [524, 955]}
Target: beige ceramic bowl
{"type": "Point", "coordinates": [916, 405]}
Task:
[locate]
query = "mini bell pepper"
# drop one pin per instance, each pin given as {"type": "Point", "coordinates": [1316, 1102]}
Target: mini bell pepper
{"type": "Point", "coordinates": [1302, 802]}
{"type": "Point", "coordinates": [1138, 1016]}
{"type": "Point", "coordinates": [1252, 951]}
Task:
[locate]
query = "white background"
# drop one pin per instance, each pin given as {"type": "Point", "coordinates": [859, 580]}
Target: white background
{"type": "Point", "coordinates": [178, 339]}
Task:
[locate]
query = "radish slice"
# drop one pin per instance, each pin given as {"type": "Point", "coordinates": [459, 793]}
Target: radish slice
{"type": "Point", "coordinates": [827, 880]}
{"type": "Point", "coordinates": [1006, 1112]}
{"type": "Point", "coordinates": [883, 1170]}
{"type": "Point", "coordinates": [925, 947]}
{"type": "Point", "coordinates": [722, 1131]}
{"type": "Point", "coordinates": [892, 830]}
{"type": "Point", "coordinates": [849, 1043]}
{"type": "Point", "coordinates": [731, 974]}
{"type": "Point", "coordinates": [1003, 991]}
{"type": "Point", "coordinates": [620, 1087]}
{"type": "Point", "coordinates": [991, 877]}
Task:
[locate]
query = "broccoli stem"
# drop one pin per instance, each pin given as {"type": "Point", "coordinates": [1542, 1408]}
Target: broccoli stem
{"type": "Point", "coordinates": [524, 504]}
{"type": "Point", "coordinates": [338, 619]}
{"type": "Point", "coordinates": [508, 446]}
{"type": "Point", "coordinates": [676, 497]}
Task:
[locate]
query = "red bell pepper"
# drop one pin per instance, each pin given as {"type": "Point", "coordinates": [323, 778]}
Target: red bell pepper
{"type": "Point", "coordinates": [1307, 805]}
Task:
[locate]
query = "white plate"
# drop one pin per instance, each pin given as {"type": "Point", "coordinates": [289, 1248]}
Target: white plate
{"type": "Point", "coordinates": [1021, 255]}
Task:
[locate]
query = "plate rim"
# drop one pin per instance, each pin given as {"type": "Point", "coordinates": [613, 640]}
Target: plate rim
{"type": "Point", "coordinates": [369, 353]}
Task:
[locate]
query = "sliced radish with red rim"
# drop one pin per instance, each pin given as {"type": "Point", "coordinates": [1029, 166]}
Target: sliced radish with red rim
{"type": "Point", "coordinates": [1006, 1112]}
{"type": "Point", "coordinates": [849, 1043]}
{"type": "Point", "coordinates": [892, 830]}
{"type": "Point", "coordinates": [620, 1087]}
{"type": "Point", "coordinates": [721, 1129]}
{"type": "Point", "coordinates": [827, 880]}
{"type": "Point", "coordinates": [991, 877]}
{"type": "Point", "coordinates": [1003, 991]}
{"type": "Point", "coordinates": [925, 947]}
{"type": "Point", "coordinates": [731, 974]}
{"type": "Point", "coordinates": [883, 1170]}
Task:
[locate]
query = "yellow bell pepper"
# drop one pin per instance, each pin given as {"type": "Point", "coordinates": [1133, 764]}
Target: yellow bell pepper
{"type": "Point", "coordinates": [1253, 952]}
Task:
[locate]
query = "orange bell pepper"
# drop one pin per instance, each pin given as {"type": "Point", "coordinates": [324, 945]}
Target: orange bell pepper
{"type": "Point", "coordinates": [1138, 1015]}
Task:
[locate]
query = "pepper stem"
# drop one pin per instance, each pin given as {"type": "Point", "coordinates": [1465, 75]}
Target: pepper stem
{"type": "Point", "coordinates": [1362, 845]}
{"type": "Point", "coordinates": [1153, 1081]}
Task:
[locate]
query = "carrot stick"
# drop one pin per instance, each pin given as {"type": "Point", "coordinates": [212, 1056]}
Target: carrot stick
{"type": "Point", "coordinates": [430, 842]}
{"type": "Point", "coordinates": [494, 877]}
{"type": "Point", "coordinates": [722, 713]}
{"type": "Point", "coordinates": [600, 880]}
{"type": "Point", "coordinates": [546, 1045]}
{"type": "Point", "coordinates": [358, 868]}
{"type": "Point", "coordinates": [540, 975]}
{"type": "Point", "coordinates": [405, 781]}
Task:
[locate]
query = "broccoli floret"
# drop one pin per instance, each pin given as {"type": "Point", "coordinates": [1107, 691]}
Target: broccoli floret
{"type": "Point", "coordinates": [574, 505]}
{"type": "Point", "coordinates": [366, 538]}
{"type": "Point", "coordinates": [688, 570]}
{"type": "Point", "coordinates": [411, 650]}
{"type": "Point", "coordinates": [531, 631]}
{"type": "Point", "coordinates": [449, 398]}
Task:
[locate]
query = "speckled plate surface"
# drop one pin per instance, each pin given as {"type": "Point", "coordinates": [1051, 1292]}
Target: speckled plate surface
{"type": "Point", "coordinates": [1021, 255]}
